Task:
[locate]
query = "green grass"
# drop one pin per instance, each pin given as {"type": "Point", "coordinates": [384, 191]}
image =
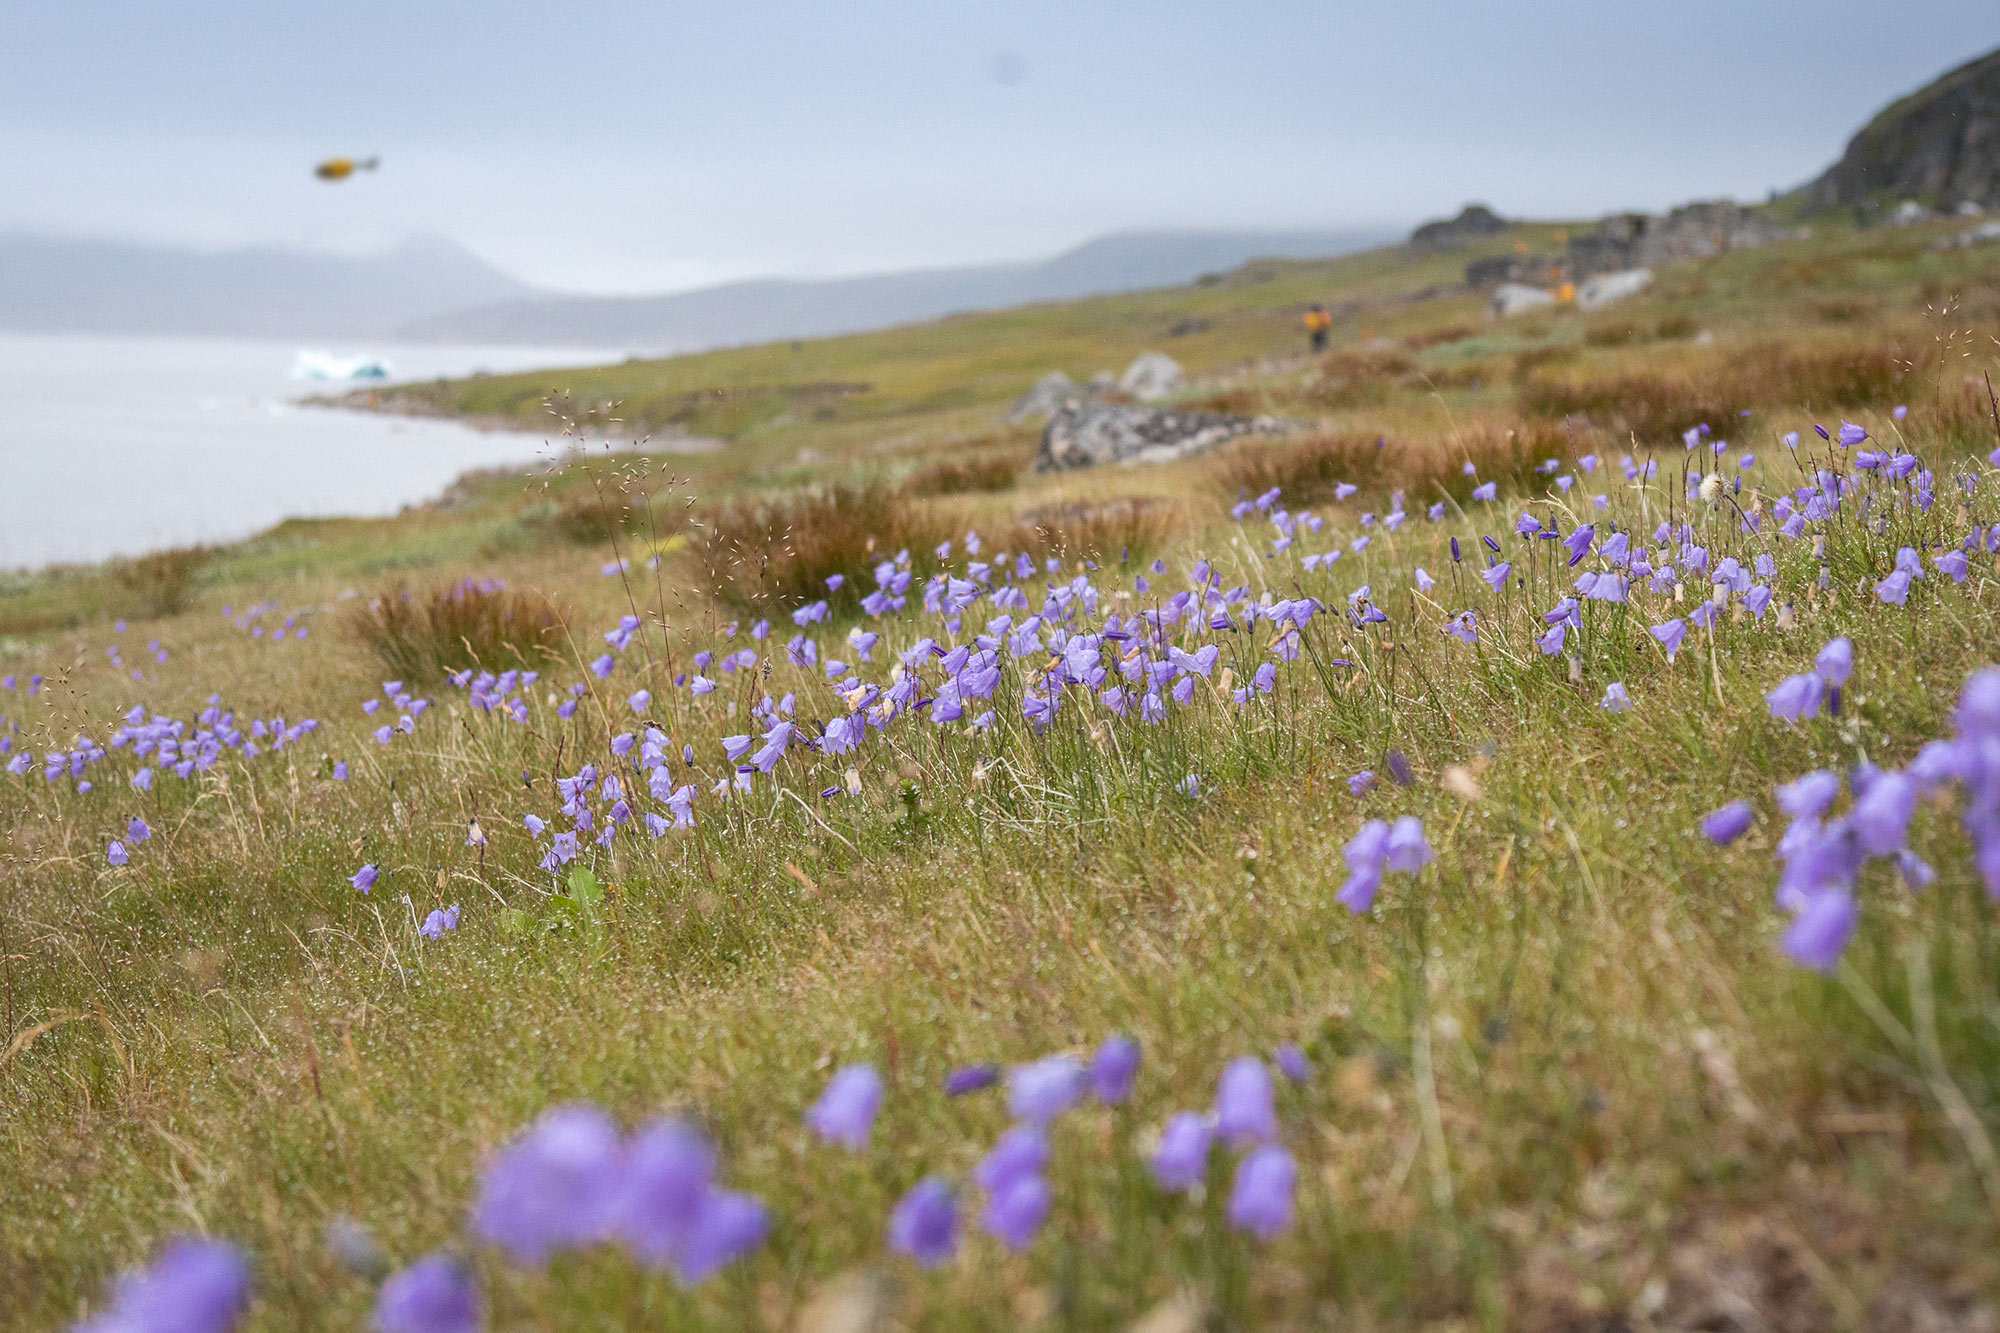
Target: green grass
{"type": "Point", "coordinates": [1561, 1078]}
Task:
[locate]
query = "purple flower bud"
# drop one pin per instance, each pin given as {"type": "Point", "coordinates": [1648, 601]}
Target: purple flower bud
{"type": "Point", "coordinates": [1245, 1106]}
{"type": "Point", "coordinates": [432, 1295]}
{"type": "Point", "coordinates": [1795, 698]}
{"type": "Point", "coordinates": [1881, 814]}
{"type": "Point", "coordinates": [1835, 662]}
{"type": "Point", "coordinates": [1810, 795]}
{"type": "Point", "coordinates": [1016, 1212]}
{"type": "Point", "coordinates": [668, 1173]}
{"type": "Point", "coordinates": [1291, 1062]}
{"type": "Point", "coordinates": [1260, 1198]}
{"type": "Point", "coordinates": [924, 1223]}
{"type": "Point", "coordinates": [1021, 1151]}
{"type": "Point", "coordinates": [1978, 712]}
{"type": "Point", "coordinates": [845, 1111]}
{"type": "Point", "coordinates": [1399, 767]}
{"type": "Point", "coordinates": [557, 1184]}
{"type": "Point", "coordinates": [1113, 1068]}
{"type": "Point", "coordinates": [1182, 1158]}
{"type": "Point", "coordinates": [970, 1078]}
{"type": "Point", "coordinates": [1406, 849]}
{"type": "Point", "coordinates": [1725, 825]}
{"type": "Point", "coordinates": [195, 1286]}
{"type": "Point", "coordinates": [1820, 930]}
{"type": "Point", "coordinates": [364, 878]}
{"type": "Point", "coordinates": [1670, 635]}
{"type": "Point", "coordinates": [1040, 1091]}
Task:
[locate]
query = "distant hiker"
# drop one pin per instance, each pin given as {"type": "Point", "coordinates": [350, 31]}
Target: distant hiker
{"type": "Point", "coordinates": [1318, 325]}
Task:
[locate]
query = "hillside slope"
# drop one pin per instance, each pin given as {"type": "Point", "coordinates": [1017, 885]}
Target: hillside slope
{"type": "Point", "coordinates": [1940, 146]}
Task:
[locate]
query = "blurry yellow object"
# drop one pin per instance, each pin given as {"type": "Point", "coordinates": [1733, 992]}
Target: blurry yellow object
{"type": "Point", "coordinates": [340, 168]}
{"type": "Point", "coordinates": [1566, 291]}
{"type": "Point", "coordinates": [674, 543]}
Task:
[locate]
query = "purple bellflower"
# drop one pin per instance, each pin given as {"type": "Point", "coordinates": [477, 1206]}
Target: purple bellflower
{"type": "Point", "coordinates": [845, 1111]}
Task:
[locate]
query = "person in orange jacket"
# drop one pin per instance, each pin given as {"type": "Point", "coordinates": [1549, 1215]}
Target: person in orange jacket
{"type": "Point", "coordinates": [1318, 325]}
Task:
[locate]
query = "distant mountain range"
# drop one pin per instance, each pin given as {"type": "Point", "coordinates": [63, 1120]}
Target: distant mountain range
{"type": "Point", "coordinates": [57, 285]}
{"type": "Point", "coordinates": [773, 308]}
{"type": "Point", "coordinates": [432, 291]}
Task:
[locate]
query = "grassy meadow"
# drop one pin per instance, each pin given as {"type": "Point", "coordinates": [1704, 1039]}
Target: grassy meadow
{"type": "Point", "coordinates": [1566, 1073]}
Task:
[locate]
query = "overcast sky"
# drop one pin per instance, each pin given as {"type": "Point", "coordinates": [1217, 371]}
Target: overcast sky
{"type": "Point", "coordinates": [608, 146]}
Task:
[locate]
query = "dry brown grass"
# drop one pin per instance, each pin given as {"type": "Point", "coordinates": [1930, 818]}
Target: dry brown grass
{"type": "Point", "coordinates": [964, 476]}
{"type": "Point", "coordinates": [781, 550]}
{"type": "Point", "coordinates": [627, 506]}
{"type": "Point", "coordinates": [162, 583]}
{"type": "Point", "coordinates": [1655, 405]}
{"type": "Point", "coordinates": [421, 637]}
{"type": "Point", "coordinates": [1238, 402]}
{"type": "Point", "coordinates": [1451, 333]}
{"type": "Point", "coordinates": [1307, 469]}
{"type": "Point", "coordinates": [1106, 532]}
{"type": "Point", "coordinates": [1625, 332]}
{"type": "Point", "coordinates": [1964, 409]}
{"type": "Point", "coordinates": [1352, 379]}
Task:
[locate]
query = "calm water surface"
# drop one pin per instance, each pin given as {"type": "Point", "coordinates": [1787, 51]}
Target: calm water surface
{"type": "Point", "coordinates": [115, 446]}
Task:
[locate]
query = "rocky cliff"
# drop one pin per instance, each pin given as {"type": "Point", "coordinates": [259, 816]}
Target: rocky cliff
{"type": "Point", "coordinates": [1939, 146]}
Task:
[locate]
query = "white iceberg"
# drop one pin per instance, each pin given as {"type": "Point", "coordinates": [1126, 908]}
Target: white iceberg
{"type": "Point", "coordinates": [310, 365]}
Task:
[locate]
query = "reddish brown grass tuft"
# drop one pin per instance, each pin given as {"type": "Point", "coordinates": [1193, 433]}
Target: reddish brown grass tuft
{"type": "Point", "coordinates": [1106, 532]}
{"type": "Point", "coordinates": [1656, 406]}
{"type": "Point", "coordinates": [421, 637]}
{"type": "Point", "coordinates": [779, 551]}
{"type": "Point", "coordinates": [964, 476]}
{"type": "Point", "coordinates": [163, 582]}
{"type": "Point", "coordinates": [1306, 470]}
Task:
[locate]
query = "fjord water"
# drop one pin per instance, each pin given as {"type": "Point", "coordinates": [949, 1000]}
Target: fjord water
{"type": "Point", "coordinates": [116, 446]}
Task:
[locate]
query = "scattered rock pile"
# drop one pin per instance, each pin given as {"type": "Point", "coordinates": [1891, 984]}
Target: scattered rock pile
{"type": "Point", "coordinates": [1511, 298]}
{"type": "Point", "coordinates": [1087, 434]}
{"type": "Point", "coordinates": [1152, 376]}
{"type": "Point", "coordinates": [1045, 398]}
{"type": "Point", "coordinates": [1605, 288]}
{"type": "Point", "coordinates": [1627, 242]}
{"type": "Point", "coordinates": [1984, 234]}
{"type": "Point", "coordinates": [1475, 222]}
{"type": "Point", "coordinates": [1535, 270]}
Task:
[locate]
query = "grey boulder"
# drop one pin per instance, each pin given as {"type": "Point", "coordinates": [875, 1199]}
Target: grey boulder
{"type": "Point", "coordinates": [1047, 396]}
{"type": "Point", "coordinates": [1151, 377]}
{"type": "Point", "coordinates": [1088, 434]}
